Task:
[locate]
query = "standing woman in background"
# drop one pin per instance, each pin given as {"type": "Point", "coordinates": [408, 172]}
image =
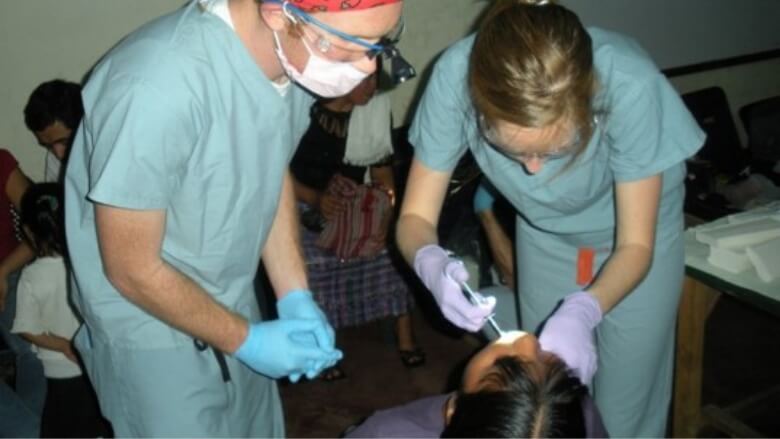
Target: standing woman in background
{"type": "Point", "coordinates": [580, 131]}
{"type": "Point", "coordinates": [350, 138]}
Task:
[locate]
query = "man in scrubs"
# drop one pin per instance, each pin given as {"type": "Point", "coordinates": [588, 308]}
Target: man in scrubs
{"type": "Point", "coordinates": [177, 184]}
{"type": "Point", "coordinates": [579, 130]}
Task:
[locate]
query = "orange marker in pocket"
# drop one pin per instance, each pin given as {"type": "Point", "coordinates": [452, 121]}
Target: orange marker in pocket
{"type": "Point", "coordinates": [585, 257]}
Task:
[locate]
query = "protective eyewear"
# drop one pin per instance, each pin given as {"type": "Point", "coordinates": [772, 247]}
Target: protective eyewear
{"type": "Point", "coordinates": [490, 135]}
{"type": "Point", "coordinates": [400, 69]}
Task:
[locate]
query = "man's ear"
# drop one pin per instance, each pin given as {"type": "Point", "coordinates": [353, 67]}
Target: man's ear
{"type": "Point", "coordinates": [273, 16]}
{"type": "Point", "coordinates": [449, 408]}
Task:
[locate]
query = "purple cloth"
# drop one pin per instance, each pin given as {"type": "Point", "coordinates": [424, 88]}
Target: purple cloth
{"type": "Point", "coordinates": [421, 418]}
{"type": "Point", "coordinates": [424, 418]}
{"type": "Point", "coordinates": [594, 426]}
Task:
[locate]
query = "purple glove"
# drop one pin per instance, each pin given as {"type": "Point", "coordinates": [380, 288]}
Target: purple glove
{"type": "Point", "coordinates": [442, 274]}
{"type": "Point", "coordinates": [568, 333]}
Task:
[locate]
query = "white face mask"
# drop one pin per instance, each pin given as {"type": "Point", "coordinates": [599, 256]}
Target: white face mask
{"type": "Point", "coordinates": [325, 78]}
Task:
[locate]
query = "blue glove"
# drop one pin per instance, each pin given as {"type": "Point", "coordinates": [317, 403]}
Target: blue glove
{"type": "Point", "coordinates": [299, 304]}
{"type": "Point", "coordinates": [271, 349]}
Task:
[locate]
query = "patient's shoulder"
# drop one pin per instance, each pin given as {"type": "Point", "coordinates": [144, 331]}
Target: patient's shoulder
{"type": "Point", "coordinates": [421, 418]}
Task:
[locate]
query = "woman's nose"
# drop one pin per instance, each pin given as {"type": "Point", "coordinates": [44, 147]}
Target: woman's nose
{"type": "Point", "coordinates": [533, 164]}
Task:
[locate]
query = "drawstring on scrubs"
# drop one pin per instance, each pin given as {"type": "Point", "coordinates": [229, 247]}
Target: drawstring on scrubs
{"type": "Point", "coordinates": [202, 346]}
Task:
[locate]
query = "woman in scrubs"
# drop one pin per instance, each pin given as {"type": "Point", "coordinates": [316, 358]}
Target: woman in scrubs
{"type": "Point", "coordinates": [579, 130]}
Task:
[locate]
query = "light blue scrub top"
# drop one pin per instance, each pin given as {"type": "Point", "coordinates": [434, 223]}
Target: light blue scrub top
{"type": "Point", "coordinates": [179, 117]}
{"type": "Point", "coordinates": [642, 129]}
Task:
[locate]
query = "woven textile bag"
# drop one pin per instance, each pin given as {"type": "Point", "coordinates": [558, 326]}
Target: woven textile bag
{"type": "Point", "coordinates": [360, 229]}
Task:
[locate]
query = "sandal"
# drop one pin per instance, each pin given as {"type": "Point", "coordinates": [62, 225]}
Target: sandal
{"type": "Point", "coordinates": [333, 373]}
{"type": "Point", "coordinates": [412, 358]}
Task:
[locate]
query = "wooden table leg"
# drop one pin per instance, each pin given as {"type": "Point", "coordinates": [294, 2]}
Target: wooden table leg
{"type": "Point", "coordinates": [696, 303]}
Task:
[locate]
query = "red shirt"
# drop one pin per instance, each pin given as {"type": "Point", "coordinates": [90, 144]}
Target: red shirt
{"type": "Point", "coordinates": [8, 241]}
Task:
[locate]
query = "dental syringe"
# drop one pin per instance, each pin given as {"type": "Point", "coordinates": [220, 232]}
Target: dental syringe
{"type": "Point", "coordinates": [477, 301]}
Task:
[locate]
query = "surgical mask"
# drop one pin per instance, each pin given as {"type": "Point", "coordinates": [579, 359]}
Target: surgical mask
{"type": "Point", "coordinates": [325, 78]}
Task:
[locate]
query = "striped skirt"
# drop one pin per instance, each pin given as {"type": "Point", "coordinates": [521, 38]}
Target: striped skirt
{"type": "Point", "coordinates": [354, 291]}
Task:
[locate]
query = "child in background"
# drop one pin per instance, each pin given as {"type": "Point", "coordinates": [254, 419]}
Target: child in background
{"type": "Point", "coordinates": [45, 319]}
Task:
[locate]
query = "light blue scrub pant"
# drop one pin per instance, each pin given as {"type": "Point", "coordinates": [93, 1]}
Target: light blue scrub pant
{"type": "Point", "coordinates": [635, 340]}
{"type": "Point", "coordinates": [179, 392]}
{"type": "Point", "coordinates": [20, 410]}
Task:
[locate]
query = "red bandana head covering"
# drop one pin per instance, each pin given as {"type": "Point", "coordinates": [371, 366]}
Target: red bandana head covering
{"type": "Point", "coordinates": [338, 5]}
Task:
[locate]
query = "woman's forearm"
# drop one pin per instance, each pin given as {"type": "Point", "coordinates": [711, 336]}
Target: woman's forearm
{"type": "Point", "coordinates": [500, 245]}
{"type": "Point", "coordinates": [413, 232]}
{"type": "Point", "coordinates": [306, 194]}
{"type": "Point", "coordinates": [48, 341]}
{"type": "Point", "coordinates": [624, 270]}
{"type": "Point", "coordinates": [17, 259]}
{"type": "Point", "coordinates": [420, 209]}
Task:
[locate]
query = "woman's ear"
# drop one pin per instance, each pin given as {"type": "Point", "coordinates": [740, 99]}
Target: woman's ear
{"type": "Point", "coordinates": [449, 408]}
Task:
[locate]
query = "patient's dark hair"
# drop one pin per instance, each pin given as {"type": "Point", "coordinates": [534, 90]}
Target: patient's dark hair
{"type": "Point", "coordinates": [52, 101]}
{"type": "Point", "coordinates": [517, 405]}
{"type": "Point", "coordinates": [42, 213]}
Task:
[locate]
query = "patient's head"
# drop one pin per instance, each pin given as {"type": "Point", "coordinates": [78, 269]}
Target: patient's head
{"type": "Point", "coordinates": [512, 388]}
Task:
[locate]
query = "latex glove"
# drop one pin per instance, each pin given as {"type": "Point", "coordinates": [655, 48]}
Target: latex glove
{"type": "Point", "coordinates": [271, 349]}
{"type": "Point", "coordinates": [569, 334]}
{"type": "Point", "coordinates": [299, 304]}
{"type": "Point", "coordinates": [442, 274]}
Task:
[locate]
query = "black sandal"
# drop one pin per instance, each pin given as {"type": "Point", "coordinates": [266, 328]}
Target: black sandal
{"type": "Point", "coordinates": [333, 373]}
{"type": "Point", "coordinates": [412, 358]}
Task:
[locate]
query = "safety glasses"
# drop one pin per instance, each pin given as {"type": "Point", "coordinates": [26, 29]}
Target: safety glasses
{"type": "Point", "coordinates": [491, 137]}
{"type": "Point", "coordinates": [400, 69]}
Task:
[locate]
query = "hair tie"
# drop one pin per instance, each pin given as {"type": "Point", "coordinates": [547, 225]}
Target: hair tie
{"type": "Point", "coordinates": [51, 200]}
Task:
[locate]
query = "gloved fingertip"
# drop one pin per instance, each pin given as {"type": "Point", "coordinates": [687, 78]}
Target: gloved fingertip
{"type": "Point", "coordinates": [473, 327]}
{"type": "Point", "coordinates": [294, 377]}
{"type": "Point", "coordinates": [457, 271]}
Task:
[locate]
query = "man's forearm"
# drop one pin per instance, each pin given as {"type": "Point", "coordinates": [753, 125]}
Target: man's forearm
{"type": "Point", "coordinates": [283, 255]}
{"type": "Point", "coordinates": [178, 301]}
